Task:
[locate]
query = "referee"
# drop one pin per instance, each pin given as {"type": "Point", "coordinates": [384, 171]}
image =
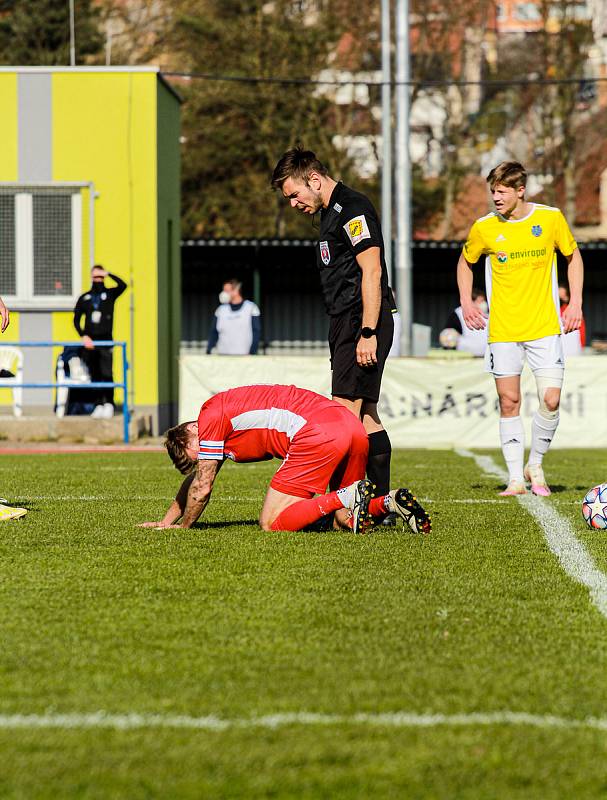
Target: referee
{"type": "Point", "coordinates": [354, 282]}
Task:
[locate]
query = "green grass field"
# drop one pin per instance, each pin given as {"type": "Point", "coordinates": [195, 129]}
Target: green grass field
{"type": "Point", "coordinates": [228, 622]}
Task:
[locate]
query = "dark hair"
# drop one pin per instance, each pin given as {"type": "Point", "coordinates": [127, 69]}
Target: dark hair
{"type": "Point", "coordinates": [476, 293]}
{"type": "Point", "coordinates": [234, 283]}
{"type": "Point", "coordinates": [296, 163]}
{"type": "Point", "coordinates": [508, 173]}
{"type": "Point", "coordinates": [176, 441]}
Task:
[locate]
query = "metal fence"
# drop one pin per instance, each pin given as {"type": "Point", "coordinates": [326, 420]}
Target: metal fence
{"type": "Point", "coordinates": [67, 384]}
{"type": "Point", "coordinates": [282, 278]}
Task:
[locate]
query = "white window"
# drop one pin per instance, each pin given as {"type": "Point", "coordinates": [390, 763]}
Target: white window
{"type": "Point", "coordinates": [527, 12]}
{"type": "Point", "coordinates": [40, 246]}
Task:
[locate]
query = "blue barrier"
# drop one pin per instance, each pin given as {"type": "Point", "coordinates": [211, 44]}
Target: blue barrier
{"type": "Point", "coordinates": [97, 385]}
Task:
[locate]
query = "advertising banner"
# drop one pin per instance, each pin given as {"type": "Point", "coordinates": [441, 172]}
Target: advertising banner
{"type": "Point", "coordinates": [434, 403]}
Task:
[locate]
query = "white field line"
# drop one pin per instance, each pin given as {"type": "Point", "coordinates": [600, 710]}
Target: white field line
{"type": "Point", "coordinates": [22, 498]}
{"type": "Point", "coordinates": [402, 719]}
{"type": "Point", "coordinates": [77, 498]}
{"type": "Point", "coordinates": [560, 536]}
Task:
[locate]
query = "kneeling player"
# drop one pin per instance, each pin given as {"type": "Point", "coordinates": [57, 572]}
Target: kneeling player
{"type": "Point", "coordinates": [321, 445]}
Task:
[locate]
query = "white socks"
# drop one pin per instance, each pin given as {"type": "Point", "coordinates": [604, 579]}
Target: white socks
{"type": "Point", "coordinates": [512, 438]}
{"type": "Point", "coordinates": [542, 432]}
{"type": "Point", "coordinates": [347, 495]}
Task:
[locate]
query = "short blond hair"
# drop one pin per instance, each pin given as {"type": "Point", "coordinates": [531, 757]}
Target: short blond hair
{"type": "Point", "coordinates": [176, 442]}
{"type": "Point", "coordinates": [508, 173]}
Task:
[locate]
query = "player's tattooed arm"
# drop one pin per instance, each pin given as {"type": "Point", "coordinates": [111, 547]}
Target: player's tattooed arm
{"type": "Point", "coordinates": [199, 491]}
{"type": "Point", "coordinates": [176, 508]}
{"type": "Point", "coordinates": [179, 504]}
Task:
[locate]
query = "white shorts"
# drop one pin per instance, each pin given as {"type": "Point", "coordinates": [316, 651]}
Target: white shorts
{"type": "Point", "coordinates": [508, 358]}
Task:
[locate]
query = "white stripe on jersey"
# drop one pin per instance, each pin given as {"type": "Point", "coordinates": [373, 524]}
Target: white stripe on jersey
{"type": "Point", "coordinates": [546, 208]}
{"type": "Point", "coordinates": [277, 419]}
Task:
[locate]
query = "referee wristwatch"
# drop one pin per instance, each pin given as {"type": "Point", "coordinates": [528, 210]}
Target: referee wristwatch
{"type": "Point", "coordinates": [367, 333]}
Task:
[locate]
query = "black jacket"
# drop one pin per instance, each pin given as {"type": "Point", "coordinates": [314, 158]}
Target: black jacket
{"type": "Point", "coordinates": [98, 299]}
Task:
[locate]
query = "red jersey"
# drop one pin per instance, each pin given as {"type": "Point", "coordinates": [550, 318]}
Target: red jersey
{"type": "Point", "coordinates": [255, 423]}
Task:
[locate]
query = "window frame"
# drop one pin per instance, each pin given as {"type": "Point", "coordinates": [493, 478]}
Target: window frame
{"type": "Point", "coordinates": [24, 299]}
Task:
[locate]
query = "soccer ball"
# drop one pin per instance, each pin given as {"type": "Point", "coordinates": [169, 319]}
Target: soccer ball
{"type": "Point", "coordinates": [448, 338]}
{"type": "Point", "coordinates": [594, 507]}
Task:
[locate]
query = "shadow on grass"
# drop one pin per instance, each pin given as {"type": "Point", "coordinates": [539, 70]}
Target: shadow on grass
{"type": "Point", "coordinates": [555, 489]}
{"type": "Point", "coordinates": [228, 523]}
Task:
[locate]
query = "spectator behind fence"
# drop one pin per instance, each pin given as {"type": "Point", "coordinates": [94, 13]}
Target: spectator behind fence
{"type": "Point", "coordinates": [468, 340]}
{"type": "Point", "coordinates": [236, 326]}
{"type": "Point", "coordinates": [574, 341]}
{"type": "Point", "coordinates": [97, 306]}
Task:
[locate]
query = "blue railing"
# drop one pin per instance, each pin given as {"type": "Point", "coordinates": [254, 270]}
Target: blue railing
{"type": "Point", "coordinates": [92, 385]}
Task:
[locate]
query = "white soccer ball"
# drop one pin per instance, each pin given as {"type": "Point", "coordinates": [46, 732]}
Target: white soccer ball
{"type": "Point", "coordinates": [594, 507]}
{"type": "Point", "coordinates": [448, 338]}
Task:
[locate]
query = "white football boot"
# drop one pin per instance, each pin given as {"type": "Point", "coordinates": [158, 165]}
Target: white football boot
{"type": "Point", "coordinates": [535, 475]}
{"type": "Point", "coordinates": [9, 512]}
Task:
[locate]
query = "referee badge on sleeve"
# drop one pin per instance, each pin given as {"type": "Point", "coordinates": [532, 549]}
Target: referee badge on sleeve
{"type": "Point", "coordinates": [325, 253]}
{"type": "Point", "coordinates": [357, 230]}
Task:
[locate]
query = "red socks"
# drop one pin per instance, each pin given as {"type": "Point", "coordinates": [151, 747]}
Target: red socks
{"type": "Point", "coordinates": [377, 507]}
{"type": "Point", "coordinates": [297, 516]}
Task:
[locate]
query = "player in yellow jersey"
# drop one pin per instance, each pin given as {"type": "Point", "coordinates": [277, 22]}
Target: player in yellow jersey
{"type": "Point", "coordinates": [8, 512]}
{"type": "Point", "coordinates": [519, 241]}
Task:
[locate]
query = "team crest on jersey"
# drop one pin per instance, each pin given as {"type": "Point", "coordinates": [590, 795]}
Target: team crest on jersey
{"type": "Point", "coordinates": [325, 253]}
{"type": "Point", "coordinates": [357, 230]}
{"type": "Point", "coordinates": [536, 230]}
{"type": "Point", "coordinates": [502, 257]}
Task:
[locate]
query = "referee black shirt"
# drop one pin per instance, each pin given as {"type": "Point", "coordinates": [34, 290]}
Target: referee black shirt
{"type": "Point", "coordinates": [349, 225]}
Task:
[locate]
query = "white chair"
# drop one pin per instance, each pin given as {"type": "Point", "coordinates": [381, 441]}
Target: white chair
{"type": "Point", "coordinates": [11, 359]}
{"type": "Point", "coordinates": [79, 374]}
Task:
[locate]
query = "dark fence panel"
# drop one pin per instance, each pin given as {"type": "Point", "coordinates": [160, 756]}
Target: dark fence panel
{"type": "Point", "coordinates": [282, 278]}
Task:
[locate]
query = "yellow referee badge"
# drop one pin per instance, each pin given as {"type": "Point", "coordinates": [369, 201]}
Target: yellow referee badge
{"type": "Point", "coordinates": [357, 229]}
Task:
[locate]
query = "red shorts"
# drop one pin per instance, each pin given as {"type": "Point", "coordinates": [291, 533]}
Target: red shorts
{"type": "Point", "coordinates": [329, 451]}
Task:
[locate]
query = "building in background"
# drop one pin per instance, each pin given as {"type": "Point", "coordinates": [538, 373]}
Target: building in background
{"type": "Point", "coordinates": [89, 173]}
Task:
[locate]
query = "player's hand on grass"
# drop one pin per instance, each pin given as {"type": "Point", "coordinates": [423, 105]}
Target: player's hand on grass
{"type": "Point", "coordinates": [159, 524]}
{"type": "Point", "coordinates": [572, 317]}
{"type": "Point", "coordinates": [473, 316]}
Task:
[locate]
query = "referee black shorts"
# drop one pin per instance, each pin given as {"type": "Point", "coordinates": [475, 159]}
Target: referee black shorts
{"type": "Point", "coordinates": [350, 380]}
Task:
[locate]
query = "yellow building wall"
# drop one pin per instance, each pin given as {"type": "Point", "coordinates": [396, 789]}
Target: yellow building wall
{"type": "Point", "coordinates": [9, 164]}
{"type": "Point", "coordinates": [104, 130]}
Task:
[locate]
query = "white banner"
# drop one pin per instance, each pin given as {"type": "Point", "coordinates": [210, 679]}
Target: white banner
{"type": "Point", "coordinates": [424, 402]}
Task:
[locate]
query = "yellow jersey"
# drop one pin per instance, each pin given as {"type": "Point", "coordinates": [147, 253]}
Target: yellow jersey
{"type": "Point", "coordinates": [520, 271]}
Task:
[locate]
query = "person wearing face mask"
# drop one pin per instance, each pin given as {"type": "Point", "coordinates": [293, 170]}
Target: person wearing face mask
{"type": "Point", "coordinates": [236, 326]}
{"type": "Point", "coordinates": [469, 340]}
{"type": "Point", "coordinates": [97, 308]}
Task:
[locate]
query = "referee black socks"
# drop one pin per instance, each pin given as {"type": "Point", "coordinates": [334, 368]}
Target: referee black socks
{"type": "Point", "coordinates": [378, 463]}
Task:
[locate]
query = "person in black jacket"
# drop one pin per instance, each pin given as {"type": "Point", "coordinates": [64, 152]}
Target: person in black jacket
{"type": "Point", "coordinates": [354, 280]}
{"type": "Point", "coordinates": [97, 307]}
